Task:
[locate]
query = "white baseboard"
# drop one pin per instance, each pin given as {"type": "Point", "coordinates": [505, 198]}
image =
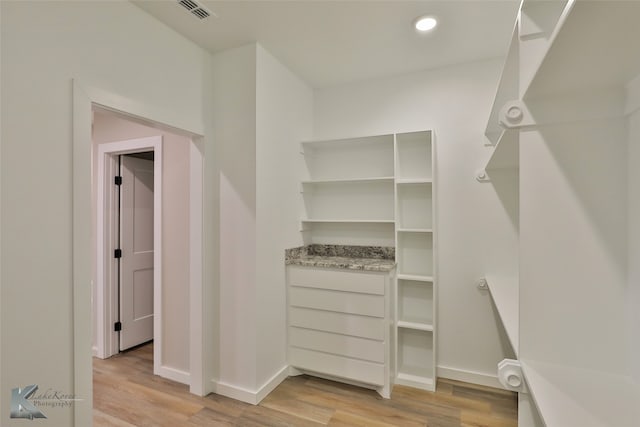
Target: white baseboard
{"type": "Point", "coordinates": [248, 396]}
{"type": "Point", "coordinates": [234, 392]}
{"type": "Point", "coordinates": [174, 374]}
{"type": "Point", "coordinates": [293, 372]}
{"type": "Point", "coordinates": [94, 351]}
{"type": "Point", "coordinates": [469, 377]}
{"type": "Point", "coordinates": [272, 383]}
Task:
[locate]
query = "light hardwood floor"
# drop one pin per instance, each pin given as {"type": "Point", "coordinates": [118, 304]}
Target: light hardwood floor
{"type": "Point", "coordinates": [126, 393]}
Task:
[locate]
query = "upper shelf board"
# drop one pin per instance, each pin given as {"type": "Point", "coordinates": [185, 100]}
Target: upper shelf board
{"type": "Point", "coordinates": [596, 48]}
{"type": "Point", "coordinates": [381, 179]}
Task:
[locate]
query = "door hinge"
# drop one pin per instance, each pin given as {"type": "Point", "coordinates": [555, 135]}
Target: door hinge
{"type": "Point", "coordinates": [117, 326]}
{"type": "Point", "coordinates": [117, 253]}
{"type": "Point", "coordinates": [118, 180]}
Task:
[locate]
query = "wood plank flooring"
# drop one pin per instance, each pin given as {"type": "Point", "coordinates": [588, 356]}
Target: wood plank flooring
{"type": "Point", "coordinates": [126, 394]}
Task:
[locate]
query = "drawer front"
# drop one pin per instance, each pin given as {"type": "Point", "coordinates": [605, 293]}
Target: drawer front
{"type": "Point", "coordinates": [348, 324]}
{"type": "Point", "coordinates": [343, 302]}
{"type": "Point", "coordinates": [342, 345]}
{"type": "Point", "coordinates": [343, 367]}
{"type": "Point", "coordinates": [360, 282]}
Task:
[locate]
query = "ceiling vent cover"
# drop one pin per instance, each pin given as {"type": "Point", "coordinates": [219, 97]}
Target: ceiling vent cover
{"type": "Point", "coordinates": [196, 9]}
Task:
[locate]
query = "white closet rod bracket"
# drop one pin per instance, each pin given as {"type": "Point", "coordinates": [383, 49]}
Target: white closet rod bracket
{"type": "Point", "coordinates": [514, 114]}
{"type": "Point", "coordinates": [481, 176]}
{"type": "Point", "coordinates": [510, 375]}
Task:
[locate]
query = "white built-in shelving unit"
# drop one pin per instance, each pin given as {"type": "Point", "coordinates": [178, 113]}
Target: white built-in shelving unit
{"type": "Point", "coordinates": [379, 190]}
{"type": "Point", "coordinates": [348, 196]}
{"type": "Point", "coordinates": [562, 126]}
{"type": "Point", "coordinates": [415, 256]}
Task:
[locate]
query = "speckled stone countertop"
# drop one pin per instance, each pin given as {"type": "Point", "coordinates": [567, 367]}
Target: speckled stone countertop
{"type": "Point", "coordinates": [368, 258]}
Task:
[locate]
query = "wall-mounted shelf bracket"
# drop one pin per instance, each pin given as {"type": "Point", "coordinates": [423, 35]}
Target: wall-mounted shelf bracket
{"type": "Point", "coordinates": [481, 176]}
{"type": "Point", "coordinates": [514, 114]}
{"type": "Point", "coordinates": [510, 375]}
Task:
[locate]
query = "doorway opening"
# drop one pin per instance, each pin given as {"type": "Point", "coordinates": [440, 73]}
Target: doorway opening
{"type": "Point", "coordinates": [199, 346]}
{"type": "Point", "coordinates": [142, 268]}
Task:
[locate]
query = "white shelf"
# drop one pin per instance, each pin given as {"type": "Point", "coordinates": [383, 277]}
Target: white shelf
{"type": "Point", "coordinates": [505, 295]}
{"type": "Point", "coordinates": [506, 154]}
{"type": "Point", "coordinates": [507, 89]}
{"type": "Point", "coordinates": [595, 48]}
{"type": "Point", "coordinates": [361, 140]}
{"type": "Point", "coordinates": [414, 181]}
{"type": "Point", "coordinates": [419, 326]}
{"type": "Point", "coordinates": [382, 179]}
{"type": "Point", "coordinates": [349, 221]}
{"type": "Point", "coordinates": [415, 230]}
{"type": "Point", "coordinates": [569, 396]}
{"type": "Point", "coordinates": [532, 36]}
{"type": "Point", "coordinates": [415, 277]}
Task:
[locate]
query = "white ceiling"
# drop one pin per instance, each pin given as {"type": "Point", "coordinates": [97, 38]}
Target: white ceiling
{"type": "Point", "coordinates": [330, 42]}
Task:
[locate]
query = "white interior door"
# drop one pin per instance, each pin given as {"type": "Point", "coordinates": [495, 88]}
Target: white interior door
{"type": "Point", "coordinates": [136, 242]}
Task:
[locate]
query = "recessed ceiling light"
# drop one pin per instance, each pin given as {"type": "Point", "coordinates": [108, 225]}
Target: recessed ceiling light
{"type": "Point", "coordinates": [425, 23]}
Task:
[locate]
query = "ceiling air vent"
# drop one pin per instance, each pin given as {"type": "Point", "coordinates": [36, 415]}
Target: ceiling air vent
{"type": "Point", "coordinates": [196, 9]}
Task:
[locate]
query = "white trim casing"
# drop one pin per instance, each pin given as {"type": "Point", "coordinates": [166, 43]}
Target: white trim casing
{"type": "Point", "coordinates": [196, 229]}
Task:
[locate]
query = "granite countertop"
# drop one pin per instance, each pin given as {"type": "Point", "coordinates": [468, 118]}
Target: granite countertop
{"type": "Point", "coordinates": [367, 258]}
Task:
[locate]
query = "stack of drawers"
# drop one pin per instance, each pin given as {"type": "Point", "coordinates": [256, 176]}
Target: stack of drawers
{"type": "Point", "coordinates": [339, 324]}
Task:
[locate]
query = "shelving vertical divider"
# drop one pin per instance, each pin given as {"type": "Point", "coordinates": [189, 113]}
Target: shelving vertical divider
{"type": "Point", "coordinates": [415, 290]}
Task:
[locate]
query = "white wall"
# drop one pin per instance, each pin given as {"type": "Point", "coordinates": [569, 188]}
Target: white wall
{"type": "Point", "coordinates": [45, 45]}
{"type": "Point", "coordinates": [455, 103]}
{"type": "Point", "coordinates": [261, 112]}
{"type": "Point", "coordinates": [633, 300]}
{"type": "Point", "coordinates": [234, 121]}
{"type": "Point", "coordinates": [175, 229]}
{"type": "Point", "coordinates": [284, 118]}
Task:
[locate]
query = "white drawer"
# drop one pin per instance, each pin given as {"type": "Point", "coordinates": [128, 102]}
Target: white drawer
{"type": "Point", "coordinates": [342, 345]}
{"type": "Point", "coordinates": [344, 302]}
{"type": "Point", "coordinates": [349, 324]}
{"type": "Point", "coordinates": [343, 367]}
{"type": "Point", "coordinates": [348, 281]}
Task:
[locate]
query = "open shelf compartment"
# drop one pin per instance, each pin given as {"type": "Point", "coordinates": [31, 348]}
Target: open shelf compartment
{"type": "Point", "coordinates": [415, 304]}
{"type": "Point", "coordinates": [415, 363]}
{"type": "Point", "coordinates": [415, 206]}
{"type": "Point", "coordinates": [358, 200]}
{"type": "Point", "coordinates": [350, 159]}
{"type": "Point", "coordinates": [413, 156]}
{"type": "Point", "coordinates": [349, 232]}
{"type": "Point", "coordinates": [414, 254]}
